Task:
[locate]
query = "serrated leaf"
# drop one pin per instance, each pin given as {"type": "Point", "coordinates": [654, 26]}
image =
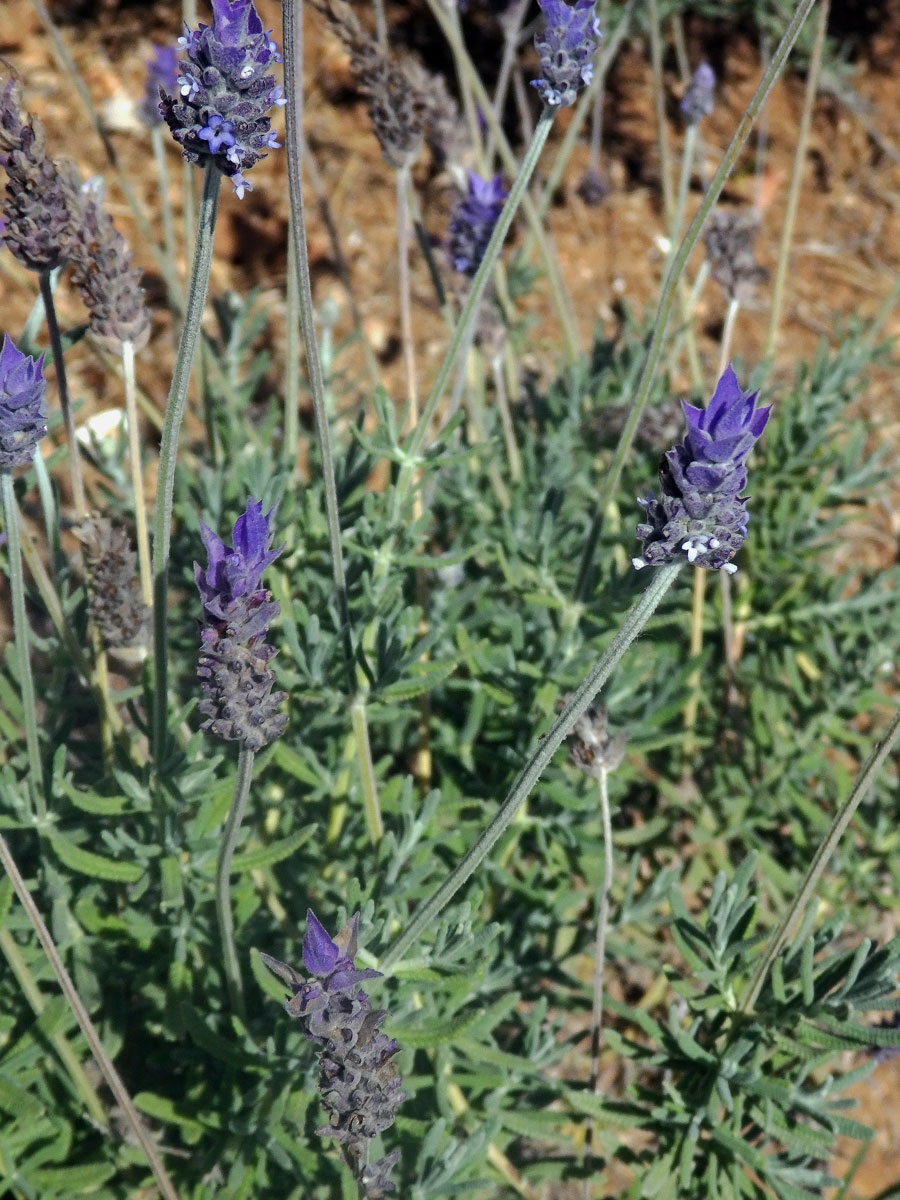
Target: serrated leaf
{"type": "Point", "coordinates": [266, 856]}
{"type": "Point", "coordinates": [85, 862]}
{"type": "Point", "coordinates": [427, 676]}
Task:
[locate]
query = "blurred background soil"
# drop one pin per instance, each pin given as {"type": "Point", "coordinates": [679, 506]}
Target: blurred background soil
{"type": "Point", "coordinates": [845, 257]}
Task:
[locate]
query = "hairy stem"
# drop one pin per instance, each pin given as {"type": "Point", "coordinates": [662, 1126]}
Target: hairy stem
{"type": "Point", "coordinates": [223, 880]}
{"type": "Point", "coordinates": [168, 449]}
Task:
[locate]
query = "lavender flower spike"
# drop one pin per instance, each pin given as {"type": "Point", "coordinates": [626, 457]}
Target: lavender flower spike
{"type": "Point", "coordinates": [358, 1079]}
{"type": "Point", "coordinates": [698, 100]}
{"type": "Point", "coordinates": [239, 703]}
{"type": "Point", "coordinates": [225, 92]}
{"type": "Point", "coordinates": [701, 515]}
{"type": "Point", "coordinates": [566, 49]}
{"type": "Point", "coordinates": [473, 221]}
{"type": "Point", "coordinates": [22, 416]}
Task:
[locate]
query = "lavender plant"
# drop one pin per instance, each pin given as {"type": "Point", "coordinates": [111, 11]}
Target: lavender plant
{"type": "Point", "coordinates": [649, 981]}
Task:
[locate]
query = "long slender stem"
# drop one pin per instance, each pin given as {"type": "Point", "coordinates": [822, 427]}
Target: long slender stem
{"type": "Point", "coordinates": [20, 629]}
{"type": "Point", "coordinates": [600, 936]}
{"type": "Point", "coordinates": [790, 212]}
{"type": "Point", "coordinates": [694, 679]}
{"type": "Point", "coordinates": [667, 296]}
{"type": "Point", "coordinates": [659, 106]}
{"type": "Point", "coordinates": [104, 1062]}
{"type": "Point", "coordinates": [561, 302]}
{"type": "Point", "coordinates": [236, 813]}
{"type": "Point", "coordinates": [165, 203]}
{"type": "Point", "coordinates": [476, 291]}
{"type": "Point", "coordinates": [137, 475]}
{"type": "Point", "coordinates": [168, 448]}
{"type": "Point", "coordinates": [292, 26]}
{"type": "Point", "coordinates": [842, 819]}
{"type": "Point", "coordinates": [538, 760]}
{"type": "Point", "coordinates": [62, 387]}
{"type": "Point", "coordinates": [402, 177]}
{"type": "Point", "coordinates": [291, 435]}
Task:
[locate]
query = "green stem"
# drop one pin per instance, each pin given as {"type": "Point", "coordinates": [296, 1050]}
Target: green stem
{"type": "Point", "coordinates": [20, 628]}
{"type": "Point", "coordinates": [291, 435]}
{"type": "Point", "coordinates": [137, 474]}
{"type": "Point", "coordinates": [374, 822]}
{"type": "Point", "coordinates": [292, 24]}
{"type": "Point", "coordinates": [104, 1062]}
{"type": "Point", "coordinates": [659, 106]}
{"type": "Point", "coordinates": [841, 820]}
{"type": "Point", "coordinates": [561, 301]}
{"type": "Point", "coordinates": [790, 214]}
{"type": "Point", "coordinates": [168, 449]}
{"type": "Point", "coordinates": [165, 204]}
{"type": "Point", "coordinates": [538, 760]}
{"type": "Point", "coordinates": [223, 881]}
{"type": "Point", "coordinates": [467, 316]}
{"type": "Point", "coordinates": [654, 350]}
{"type": "Point", "coordinates": [62, 387]}
{"type": "Point", "coordinates": [600, 941]}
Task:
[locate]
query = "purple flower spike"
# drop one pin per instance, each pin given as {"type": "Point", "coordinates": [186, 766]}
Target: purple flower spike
{"type": "Point", "coordinates": [162, 72]}
{"type": "Point", "coordinates": [566, 49]}
{"type": "Point", "coordinates": [701, 515]}
{"type": "Point", "coordinates": [359, 1082]}
{"type": "Point", "coordinates": [220, 114]}
{"type": "Point", "coordinates": [22, 416]}
{"type": "Point", "coordinates": [239, 702]}
{"type": "Point", "coordinates": [473, 221]}
{"type": "Point", "coordinates": [699, 100]}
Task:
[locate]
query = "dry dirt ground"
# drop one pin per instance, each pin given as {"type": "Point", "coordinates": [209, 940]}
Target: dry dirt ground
{"type": "Point", "coordinates": [846, 252]}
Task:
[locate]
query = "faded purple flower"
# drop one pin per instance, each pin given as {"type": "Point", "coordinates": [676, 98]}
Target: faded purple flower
{"type": "Point", "coordinates": [23, 421]}
{"type": "Point", "coordinates": [701, 515]}
{"type": "Point", "coordinates": [162, 72]}
{"type": "Point", "coordinates": [239, 702]}
{"type": "Point", "coordinates": [473, 221]}
{"type": "Point", "coordinates": [698, 100]}
{"type": "Point", "coordinates": [566, 48]}
{"type": "Point", "coordinates": [225, 92]}
{"type": "Point", "coordinates": [358, 1079]}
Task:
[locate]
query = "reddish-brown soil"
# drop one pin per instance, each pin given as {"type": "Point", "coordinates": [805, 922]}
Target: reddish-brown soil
{"type": "Point", "coordinates": [845, 257]}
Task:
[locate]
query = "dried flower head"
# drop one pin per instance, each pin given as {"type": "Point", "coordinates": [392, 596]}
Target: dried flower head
{"type": "Point", "coordinates": [359, 1082]}
{"type": "Point", "coordinates": [730, 238]}
{"type": "Point", "coordinates": [473, 221]}
{"type": "Point", "coordinates": [162, 73]}
{"type": "Point", "coordinates": [445, 130]}
{"type": "Point", "coordinates": [593, 188]}
{"type": "Point", "coordinates": [701, 515]}
{"type": "Point", "coordinates": [239, 703]}
{"type": "Point", "coordinates": [110, 286]}
{"type": "Point", "coordinates": [593, 748]}
{"type": "Point", "coordinates": [37, 202]}
{"type": "Point", "coordinates": [391, 86]}
{"type": "Point", "coordinates": [23, 421]}
{"type": "Point", "coordinates": [699, 100]}
{"type": "Point", "coordinates": [115, 602]}
{"type": "Point", "coordinates": [566, 49]}
{"type": "Point", "coordinates": [225, 92]}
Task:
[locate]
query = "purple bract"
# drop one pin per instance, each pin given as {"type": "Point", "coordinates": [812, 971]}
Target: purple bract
{"type": "Point", "coordinates": [699, 100]}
